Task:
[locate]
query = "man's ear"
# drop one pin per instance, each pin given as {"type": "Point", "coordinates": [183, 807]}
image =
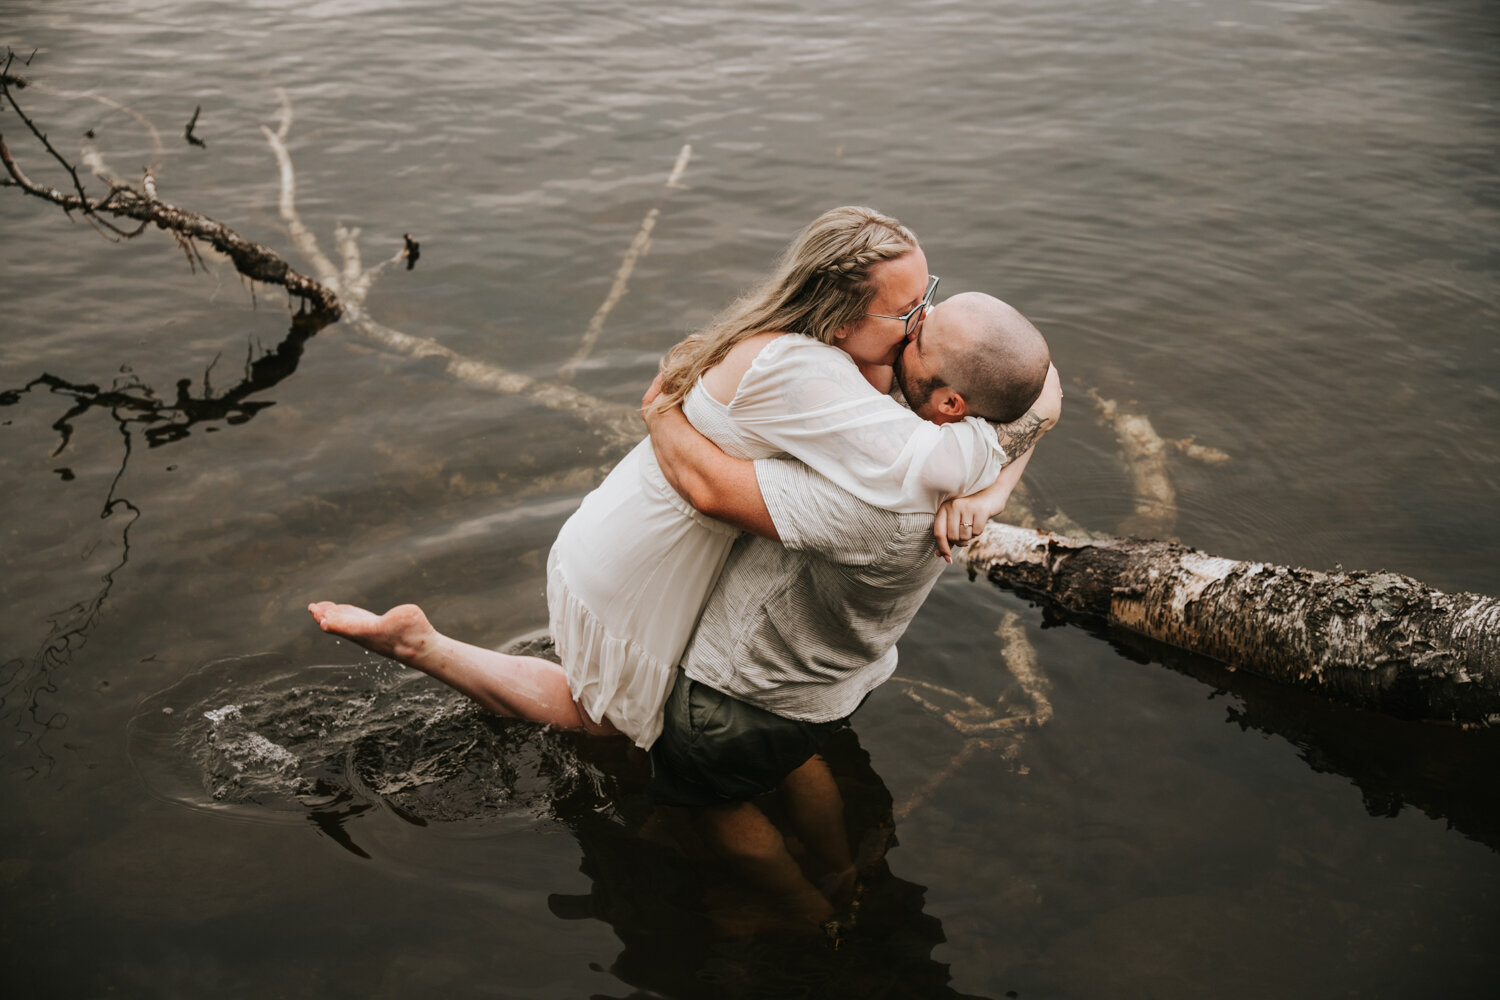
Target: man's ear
{"type": "Point", "coordinates": [950, 404]}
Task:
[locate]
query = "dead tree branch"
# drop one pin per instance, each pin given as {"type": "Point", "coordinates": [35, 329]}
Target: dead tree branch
{"type": "Point", "coordinates": [1374, 640]}
{"type": "Point", "coordinates": [187, 133]}
{"type": "Point", "coordinates": [251, 259]}
{"type": "Point", "coordinates": [42, 138]}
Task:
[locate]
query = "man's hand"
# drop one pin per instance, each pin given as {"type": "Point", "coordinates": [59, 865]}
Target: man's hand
{"type": "Point", "coordinates": [650, 397]}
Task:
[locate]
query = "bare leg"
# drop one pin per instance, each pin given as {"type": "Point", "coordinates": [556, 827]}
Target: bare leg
{"type": "Point", "coordinates": [743, 835]}
{"type": "Point", "coordinates": [519, 687]}
{"type": "Point", "coordinates": [816, 810]}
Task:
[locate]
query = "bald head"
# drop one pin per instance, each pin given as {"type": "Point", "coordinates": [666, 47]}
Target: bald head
{"type": "Point", "coordinates": [984, 350]}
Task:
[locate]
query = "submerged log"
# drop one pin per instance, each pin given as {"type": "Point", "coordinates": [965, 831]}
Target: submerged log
{"type": "Point", "coordinates": [1374, 640]}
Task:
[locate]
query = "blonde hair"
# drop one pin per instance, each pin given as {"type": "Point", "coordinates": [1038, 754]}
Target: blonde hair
{"type": "Point", "coordinates": [820, 285]}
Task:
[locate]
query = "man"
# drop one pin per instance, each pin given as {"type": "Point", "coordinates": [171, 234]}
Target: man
{"type": "Point", "coordinates": [794, 634]}
{"type": "Point", "coordinates": [803, 621]}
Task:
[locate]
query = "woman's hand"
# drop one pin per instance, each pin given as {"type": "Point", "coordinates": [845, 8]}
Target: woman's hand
{"type": "Point", "coordinates": [959, 521]}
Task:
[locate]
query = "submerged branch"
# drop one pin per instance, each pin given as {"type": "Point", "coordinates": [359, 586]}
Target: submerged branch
{"type": "Point", "coordinates": [638, 249]}
{"type": "Point", "coordinates": [1144, 453]}
{"type": "Point", "coordinates": [302, 238]}
{"type": "Point", "coordinates": [620, 426]}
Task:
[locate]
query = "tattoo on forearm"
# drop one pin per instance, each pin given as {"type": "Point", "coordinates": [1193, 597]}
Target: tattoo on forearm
{"type": "Point", "coordinates": [1018, 436]}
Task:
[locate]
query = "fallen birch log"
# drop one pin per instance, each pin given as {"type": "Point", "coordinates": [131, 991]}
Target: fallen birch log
{"type": "Point", "coordinates": [1375, 640]}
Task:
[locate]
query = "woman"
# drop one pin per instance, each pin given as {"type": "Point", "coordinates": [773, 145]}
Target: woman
{"type": "Point", "coordinates": [800, 365]}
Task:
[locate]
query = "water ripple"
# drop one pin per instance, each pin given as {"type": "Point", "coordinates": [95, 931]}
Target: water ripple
{"type": "Point", "coordinates": [261, 739]}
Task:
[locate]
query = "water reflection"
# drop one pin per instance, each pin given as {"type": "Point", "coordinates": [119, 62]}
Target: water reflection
{"type": "Point", "coordinates": [133, 404]}
{"type": "Point", "coordinates": [691, 929]}
{"type": "Point", "coordinates": [1446, 772]}
{"type": "Point", "coordinates": [266, 740]}
{"type": "Point", "coordinates": [24, 683]}
{"type": "Point", "coordinates": [134, 408]}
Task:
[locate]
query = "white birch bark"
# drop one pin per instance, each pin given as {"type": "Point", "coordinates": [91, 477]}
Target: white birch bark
{"type": "Point", "coordinates": [1377, 640]}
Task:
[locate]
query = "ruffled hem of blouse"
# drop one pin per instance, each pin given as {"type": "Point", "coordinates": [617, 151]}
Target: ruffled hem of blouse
{"type": "Point", "coordinates": [612, 678]}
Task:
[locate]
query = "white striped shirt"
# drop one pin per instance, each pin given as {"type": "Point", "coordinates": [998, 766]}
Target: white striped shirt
{"type": "Point", "coordinates": [806, 628]}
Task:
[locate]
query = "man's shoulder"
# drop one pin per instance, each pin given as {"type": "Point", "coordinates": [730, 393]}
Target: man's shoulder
{"type": "Point", "coordinates": [814, 513]}
{"type": "Point", "coordinates": [870, 543]}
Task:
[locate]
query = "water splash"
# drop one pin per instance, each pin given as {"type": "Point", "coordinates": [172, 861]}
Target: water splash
{"type": "Point", "coordinates": [268, 740]}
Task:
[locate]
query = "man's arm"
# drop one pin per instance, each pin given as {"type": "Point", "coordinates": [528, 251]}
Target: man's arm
{"type": "Point", "coordinates": [724, 488]}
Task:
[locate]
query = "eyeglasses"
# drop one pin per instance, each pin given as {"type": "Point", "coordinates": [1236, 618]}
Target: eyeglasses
{"type": "Point", "coordinates": [913, 319]}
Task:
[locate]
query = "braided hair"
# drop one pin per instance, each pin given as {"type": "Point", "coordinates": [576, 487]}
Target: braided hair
{"type": "Point", "coordinates": [820, 285]}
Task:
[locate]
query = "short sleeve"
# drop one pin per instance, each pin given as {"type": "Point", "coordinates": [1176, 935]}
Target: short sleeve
{"type": "Point", "coordinates": [808, 400]}
{"type": "Point", "coordinates": [814, 514]}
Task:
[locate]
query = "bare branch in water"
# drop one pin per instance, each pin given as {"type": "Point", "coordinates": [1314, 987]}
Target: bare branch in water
{"type": "Point", "coordinates": [638, 249]}
{"type": "Point", "coordinates": [251, 259]}
{"type": "Point", "coordinates": [187, 133]}
{"type": "Point", "coordinates": [41, 136]}
{"type": "Point", "coordinates": [619, 425]}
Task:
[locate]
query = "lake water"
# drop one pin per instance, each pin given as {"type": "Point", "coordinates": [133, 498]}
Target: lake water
{"type": "Point", "coordinates": [1267, 226]}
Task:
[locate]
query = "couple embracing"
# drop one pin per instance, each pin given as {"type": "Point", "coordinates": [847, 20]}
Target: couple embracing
{"type": "Point", "coordinates": [735, 587]}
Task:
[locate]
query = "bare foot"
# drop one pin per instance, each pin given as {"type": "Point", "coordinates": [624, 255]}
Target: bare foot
{"type": "Point", "coordinates": [402, 633]}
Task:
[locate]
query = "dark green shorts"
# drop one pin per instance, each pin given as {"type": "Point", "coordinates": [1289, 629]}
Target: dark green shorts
{"type": "Point", "coordinates": [715, 749]}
